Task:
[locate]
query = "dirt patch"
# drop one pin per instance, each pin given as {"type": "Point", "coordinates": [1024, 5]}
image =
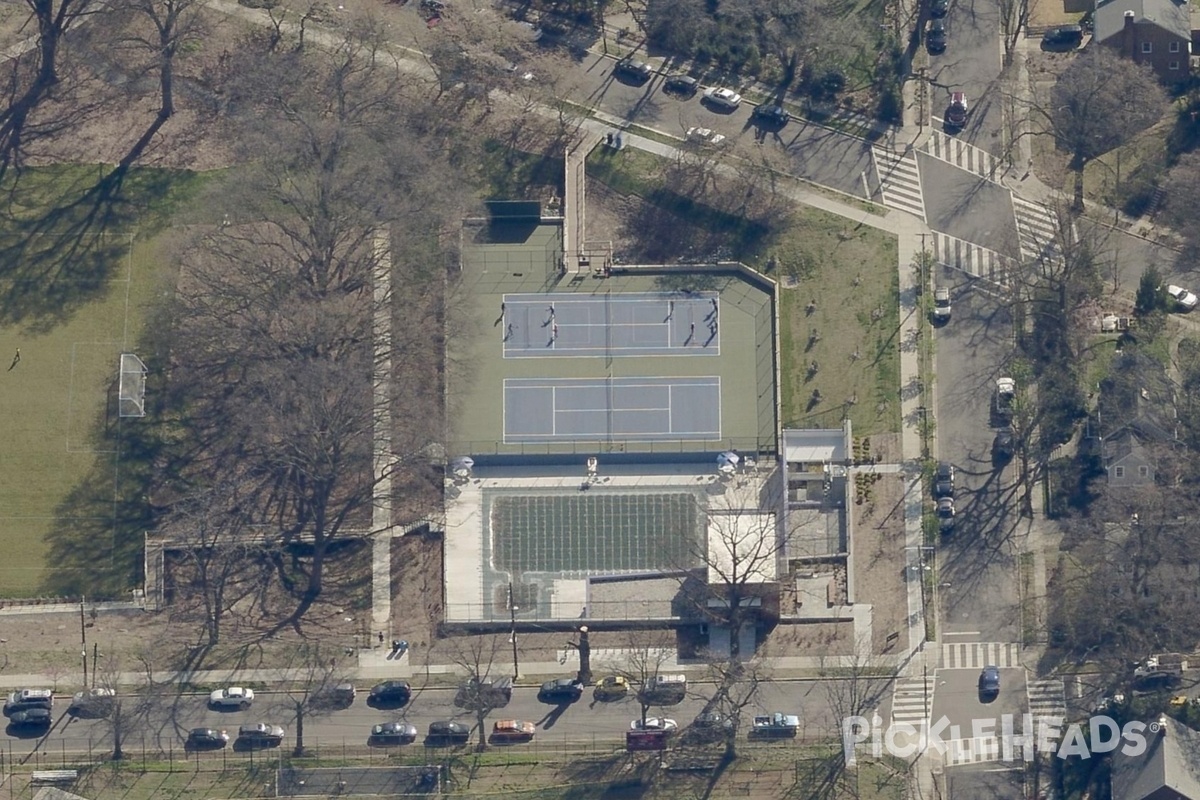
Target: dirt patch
{"type": "Point", "coordinates": [878, 562]}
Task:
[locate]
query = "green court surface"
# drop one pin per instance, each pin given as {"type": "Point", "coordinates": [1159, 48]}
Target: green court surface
{"type": "Point", "coordinates": [619, 332]}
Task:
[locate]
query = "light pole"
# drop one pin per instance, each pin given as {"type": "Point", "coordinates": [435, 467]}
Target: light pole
{"type": "Point", "coordinates": [512, 610]}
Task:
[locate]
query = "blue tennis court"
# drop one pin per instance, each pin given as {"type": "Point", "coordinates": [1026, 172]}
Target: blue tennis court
{"type": "Point", "coordinates": [598, 409]}
{"type": "Point", "coordinates": [611, 325]}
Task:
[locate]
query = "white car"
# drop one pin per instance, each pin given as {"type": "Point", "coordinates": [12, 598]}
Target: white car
{"type": "Point", "coordinates": [726, 98]}
{"type": "Point", "coordinates": [1182, 297]}
{"type": "Point", "coordinates": [234, 697]}
{"type": "Point", "coordinates": [654, 724]}
{"type": "Point", "coordinates": [941, 304]}
{"type": "Point", "coordinates": [705, 136]}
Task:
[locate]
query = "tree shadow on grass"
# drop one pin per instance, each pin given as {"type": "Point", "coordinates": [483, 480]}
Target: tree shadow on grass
{"type": "Point", "coordinates": [65, 232]}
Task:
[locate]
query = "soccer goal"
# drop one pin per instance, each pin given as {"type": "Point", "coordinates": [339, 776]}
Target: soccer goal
{"type": "Point", "coordinates": [131, 391]}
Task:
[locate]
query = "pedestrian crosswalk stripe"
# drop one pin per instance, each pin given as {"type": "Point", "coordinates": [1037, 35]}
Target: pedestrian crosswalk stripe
{"type": "Point", "coordinates": [977, 655]}
{"type": "Point", "coordinates": [1047, 698]}
{"type": "Point", "coordinates": [1037, 229]}
{"type": "Point", "coordinates": [972, 259]}
{"type": "Point", "coordinates": [965, 156]}
{"type": "Point", "coordinates": [912, 700]}
{"type": "Point", "coordinates": [972, 751]}
{"type": "Point", "coordinates": [899, 181]}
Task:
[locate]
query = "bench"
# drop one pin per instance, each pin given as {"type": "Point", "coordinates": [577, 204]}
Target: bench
{"type": "Point", "coordinates": [55, 776]}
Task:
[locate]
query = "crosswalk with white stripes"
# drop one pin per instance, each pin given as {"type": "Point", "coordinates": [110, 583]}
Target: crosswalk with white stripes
{"type": "Point", "coordinates": [966, 156]}
{"type": "Point", "coordinates": [1046, 699]}
{"type": "Point", "coordinates": [972, 751]}
{"type": "Point", "coordinates": [977, 655]}
{"type": "Point", "coordinates": [1037, 228]}
{"type": "Point", "coordinates": [912, 700]}
{"type": "Point", "coordinates": [899, 181]}
{"type": "Point", "coordinates": [972, 259]}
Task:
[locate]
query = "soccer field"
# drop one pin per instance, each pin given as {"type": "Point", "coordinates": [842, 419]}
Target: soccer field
{"type": "Point", "coordinates": [80, 272]}
{"type": "Point", "coordinates": [60, 446]}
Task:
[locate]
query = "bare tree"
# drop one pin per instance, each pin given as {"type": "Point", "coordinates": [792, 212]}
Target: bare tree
{"type": "Point", "coordinates": [123, 708]}
{"type": "Point", "coordinates": [219, 556]}
{"type": "Point", "coordinates": [1121, 590]}
{"type": "Point", "coordinates": [644, 658]}
{"type": "Point", "coordinates": [28, 88]}
{"type": "Point", "coordinates": [482, 691]}
{"type": "Point", "coordinates": [1181, 198]}
{"type": "Point", "coordinates": [740, 555]}
{"type": "Point", "coordinates": [278, 313]}
{"type": "Point", "coordinates": [1100, 102]}
{"type": "Point", "coordinates": [310, 679]}
{"type": "Point", "coordinates": [160, 28]}
{"type": "Point", "coordinates": [1014, 18]}
{"type": "Point", "coordinates": [735, 690]}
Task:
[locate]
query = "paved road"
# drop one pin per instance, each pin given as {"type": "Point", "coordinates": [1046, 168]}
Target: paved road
{"type": "Point", "coordinates": [986, 782]}
{"type": "Point", "coordinates": [819, 704]}
{"type": "Point", "coordinates": [976, 725]}
{"type": "Point", "coordinates": [815, 153]}
{"type": "Point", "coordinates": [976, 560]}
{"type": "Point", "coordinates": [971, 64]}
{"type": "Point", "coordinates": [969, 207]}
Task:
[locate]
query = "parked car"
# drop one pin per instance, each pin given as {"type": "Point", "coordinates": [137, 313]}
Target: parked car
{"type": "Point", "coordinates": [943, 480]}
{"type": "Point", "coordinates": [390, 693]}
{"type": "Point", "coordinates": [1064, 36]}
{"type": "Point", "coordinates": [647, 740]}
{"type": "Point", "coordinates": [939, 8]}
{"type": "Point", "coordinates": [989, 684]}
{"type": "Point", "coordinates": [24, 699]}
{"type": "Point", "coordinates": [234, 697]}
{"type": "Point", "coordinates": [92, 703]}
{"type": "Point", "coordinates": [1003, 446]}
{"type": "Point", "coordinates": [206, 739]}
{"type": "Point", "coordinates": [513, 731]}
{"type": "Point", "coordinates": [654, 724]}
{"type": "Point", "coordinates": [486, 693]}
{"type": "Point", "coordinates": [945, 513]}
{"type": "Point", "coordinates": [664, 690]}
{"type": "Point", "coordinates": [956, 112]}
{"type": "Point", "coordinates": [726, 99]}
{"type": "Point", "coordinates": [705, 136]}
{"type": "Point", "coordinates": [638, 71]}
{"type": "Point", "coordinates": [563, 690]}
{"type": "Point", "coordinates": [772, 114]}
{"type": "Point", "coordinates": [443, 734]}
{"type": "Point", "coordinates": [258, 735]}
{"type": "Point", "coordinates": [1002, 400]}
{"type": "Point", "coordinates": [709, 726]}
{"type": "Point", "coordinates": [1156, 682]}
{"type": "Point", "coordinates": [775, 726]}
{"type": "Point", "coordinates": [941, 305]}
{"type": "Point", "coordinates": [611, 687]}
{"type": "Point", "coordinates": [340, 696]}
{"type": "Point", "coordinates": [30, 719]}
{"type": "Point", "coordinates": [387, 734]}
{"type": "Point", "coordinates": [935, 38]}
{"type": "Point", "coordinates": [683, 85]}
{"type": "Point", "coordinates": [1184, 300]}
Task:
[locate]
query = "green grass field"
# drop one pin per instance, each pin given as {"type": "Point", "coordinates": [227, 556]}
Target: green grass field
{"type": "Point", "coordinates": [851, 274]}
{"type": "Point", "coordinates": [78, 283]}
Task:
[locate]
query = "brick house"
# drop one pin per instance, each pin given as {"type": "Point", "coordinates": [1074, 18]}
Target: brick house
{"type": "Point", "coordinates": [1153, 32]}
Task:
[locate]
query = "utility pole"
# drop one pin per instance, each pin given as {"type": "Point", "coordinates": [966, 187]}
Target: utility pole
{"type": "Point", "coordinates": [83, 639]}
{"type": "Point", "coordinates": [512, 610]}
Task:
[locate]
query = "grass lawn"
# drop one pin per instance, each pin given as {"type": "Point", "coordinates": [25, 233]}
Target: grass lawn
{"type": "Point", "coordinates": [128, 781]}
{"type": "Point", "coordinates": [857, 353]}
{"type": "Point", "coordinates": [72, 300]}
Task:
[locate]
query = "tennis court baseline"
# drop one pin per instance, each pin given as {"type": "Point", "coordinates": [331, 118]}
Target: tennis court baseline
{"type": "Point", "coordinates": [598, 409]}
